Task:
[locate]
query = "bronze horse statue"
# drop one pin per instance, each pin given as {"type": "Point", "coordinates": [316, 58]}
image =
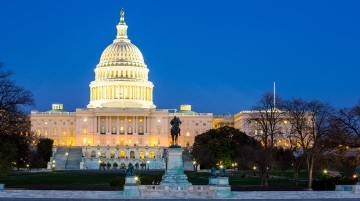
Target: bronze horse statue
{"type": "Point", "coordinates": [175, 130]}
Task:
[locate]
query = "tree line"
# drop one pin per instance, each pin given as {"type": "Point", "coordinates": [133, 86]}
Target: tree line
{"type": "Point", "coordinates": [320, 137]}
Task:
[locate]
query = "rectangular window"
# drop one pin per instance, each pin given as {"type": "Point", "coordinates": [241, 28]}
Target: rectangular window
{"type": "Point", "coordinates": [103, 131]}
{"type": "Point", "coordinates": [141, 131]}
{"type": "Point", "coordinates": [113, 130]}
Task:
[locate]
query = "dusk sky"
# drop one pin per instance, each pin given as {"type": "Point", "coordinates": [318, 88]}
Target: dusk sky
{"type": "Point", "coordinates": [218, 56]}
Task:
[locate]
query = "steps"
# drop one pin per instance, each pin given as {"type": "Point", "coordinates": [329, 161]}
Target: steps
{"type": "Point", "coordinates": [70, 161]}
{"type": "Point", "coordinates": [74, 159]}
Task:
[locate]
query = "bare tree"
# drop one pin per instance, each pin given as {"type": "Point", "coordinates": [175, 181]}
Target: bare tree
{"type": "Point", "coordinates": [266, 119]}
{"type": "Point", "coordinates": [349, 120]}
{"type": "Point", "coordinates": [296, 112]}
{"type": "Point", "coordinates": [14, 122]}
{"type": "Point", "coordinates": [13, 99]}
{"type": "Point", "coordinates": [311, 122]}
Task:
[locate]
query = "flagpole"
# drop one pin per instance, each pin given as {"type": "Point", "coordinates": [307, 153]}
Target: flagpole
{"type": "Point", "coordinates": [274, 94]}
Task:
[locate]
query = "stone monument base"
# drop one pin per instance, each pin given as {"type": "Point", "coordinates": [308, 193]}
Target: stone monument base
{"type": "Point", "coordinates": [218, 180]}
{"type": "Point", "coordinates": [174, 175]}
{"type": "Point", "coordinates": [131, 189]}
{"type": "Point", "coordinates": [221, 186]}
{"type": "Point", "coordinates": [356, 188]}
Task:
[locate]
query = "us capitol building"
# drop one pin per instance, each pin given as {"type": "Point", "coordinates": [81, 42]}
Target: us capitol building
{"type": "Point", "coordinates": [121, 124]}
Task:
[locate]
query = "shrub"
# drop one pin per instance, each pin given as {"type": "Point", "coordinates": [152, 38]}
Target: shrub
{"type": "Point", "coordinates": [117, 181]}
{"type": "Point", "coordinates": [328, 183]}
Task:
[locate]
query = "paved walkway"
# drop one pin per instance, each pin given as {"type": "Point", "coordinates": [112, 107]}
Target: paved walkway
{"type": "Point", "coordinates": [56, 195]}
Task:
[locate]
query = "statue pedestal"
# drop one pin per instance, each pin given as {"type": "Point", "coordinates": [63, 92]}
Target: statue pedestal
{"type": "Point", "coordinates": [131, 189]}
{"type": "Point", "coordinates": [218, 180]}
{"type": "Point", "coordinates": [174, 174]}
{"type": "Point", "coordinates": [356, 188]}
{"type": "Point", "coordinates": [222, 187]}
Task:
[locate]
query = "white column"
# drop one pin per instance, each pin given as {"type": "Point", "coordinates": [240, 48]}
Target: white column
{"type": "Point", "coordinates": [133, 124]}
{"type": "Point", "coordinates": [117, 125]}
{"type": "Point", "coordinates": [126, 125]}
{"type": "Point", "coordinates": [98, 125]}
{"type": "Point", "coordinates": [145, 124]}
{"type": "Point", "coordinates": [106, 124]}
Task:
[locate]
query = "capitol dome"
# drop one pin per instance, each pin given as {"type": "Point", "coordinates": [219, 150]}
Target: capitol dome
{"type": "Point", "coordinates": [121, 77]}
{"type": "Point", "coordinates": [122, 52]}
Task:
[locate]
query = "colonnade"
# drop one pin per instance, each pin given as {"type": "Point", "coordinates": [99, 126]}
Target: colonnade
{"type": "Point", "coordinates": [121, 92]}
{"type": "Point", "coordinates": [122, 124]}
{"type": "Point", "coordinates": [106, 74]}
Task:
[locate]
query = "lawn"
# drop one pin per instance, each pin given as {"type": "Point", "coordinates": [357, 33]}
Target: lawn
{"type": "Point", "coordinates": [100, 180]}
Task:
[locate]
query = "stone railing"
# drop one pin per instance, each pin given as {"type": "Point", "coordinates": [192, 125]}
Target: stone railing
{"type": "Point", "coordinates": [194, 191]}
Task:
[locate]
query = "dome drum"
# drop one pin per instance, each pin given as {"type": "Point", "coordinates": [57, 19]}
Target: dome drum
{"type": "Point", "coordinates": [121, 72]}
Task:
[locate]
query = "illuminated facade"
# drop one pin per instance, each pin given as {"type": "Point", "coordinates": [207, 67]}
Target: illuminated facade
{"type": "Point", "coordinates": [253, 129]}
{"type": "Point", "coordinates": [121, 123]}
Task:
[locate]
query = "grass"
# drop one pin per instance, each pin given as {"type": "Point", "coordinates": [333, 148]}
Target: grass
{"type": "Point", "coordinates": [100, 180]}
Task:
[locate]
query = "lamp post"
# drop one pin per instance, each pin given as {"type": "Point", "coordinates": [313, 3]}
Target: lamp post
{"type": "Point", "coordinates": [148, 164]}
{"type": "Point", "coordinates": [195, 166]}
{"type": "Point", "coordinates": [233, 165]}
{"type": "Point", "coordinates": [53, 165]}
{"type": "Point", "coordinates": [325, 171]}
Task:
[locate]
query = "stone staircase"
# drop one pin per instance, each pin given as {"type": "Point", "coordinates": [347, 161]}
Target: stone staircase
{"type": "Point", "coordinates": [74, 159]}
{"type": "Point", "coordinates": [70, 161]}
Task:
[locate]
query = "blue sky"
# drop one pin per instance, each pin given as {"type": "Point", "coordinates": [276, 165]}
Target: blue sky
{"type": "Point", "coordinates": [218, 56]}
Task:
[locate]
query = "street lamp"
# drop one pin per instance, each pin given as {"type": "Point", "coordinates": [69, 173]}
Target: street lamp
{"type": "Point", "coordinates": [53, 164]}
{"type": "Point", "coordinates": [148, 164]}
{"type": "Point", "coordinates": [254, 170]}
{"type": "Point", "coordinates": [195, 166]}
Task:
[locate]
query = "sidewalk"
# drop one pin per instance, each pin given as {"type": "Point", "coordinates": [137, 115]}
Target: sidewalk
{"type": "Point", "coordinates": [10, 195]}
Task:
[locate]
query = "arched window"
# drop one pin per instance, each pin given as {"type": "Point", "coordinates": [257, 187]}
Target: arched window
{"type": "Point", "coordinates": [142, 154]}
{"type": "Point", "coordinates": [103, 154]}
{"type": "Point", "coordinates": [132, 154]}
{"type": "Point", "coordinates": [93, 154]}
{"type": "Point", "coordinates": [123, 166]}
{"type": "Point", "coordinates": [151, 154]}
{"type": "Point", "coordinates": [112, 155]}
{"type": "Point", "coordinates": [122, 154]}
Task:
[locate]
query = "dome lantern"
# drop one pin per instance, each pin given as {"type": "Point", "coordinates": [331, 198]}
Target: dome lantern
{"type": "Point", "coordinates": [122, 29]}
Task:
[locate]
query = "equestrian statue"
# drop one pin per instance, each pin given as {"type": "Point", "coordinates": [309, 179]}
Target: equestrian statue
{"type": "Point", "coordinates": [175, 130]}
